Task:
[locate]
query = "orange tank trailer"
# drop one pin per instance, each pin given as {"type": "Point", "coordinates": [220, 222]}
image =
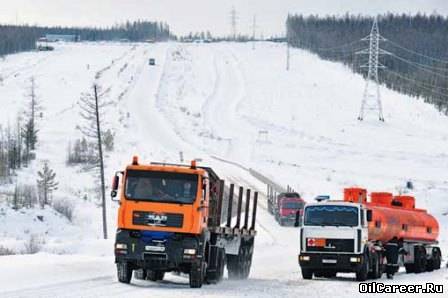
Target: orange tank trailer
{"type": "Point", "coordinates": [395, 216]}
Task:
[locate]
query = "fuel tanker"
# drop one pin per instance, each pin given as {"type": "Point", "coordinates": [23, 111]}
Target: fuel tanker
{"type": "Point", "coordinates": [349, 235]}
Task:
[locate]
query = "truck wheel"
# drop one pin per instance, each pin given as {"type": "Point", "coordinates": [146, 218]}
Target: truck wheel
{"type": "Point", "coordinates": [221, 265]}
{"type": "Point", "coordinates": [307, 273]}
{"type": "Point", "coordinates": [409, 268]}
{"type": "Point", "coordinates": [434, 262]}
{"type": "Point", "coordinates": [362, 273]}
{"type": "Point", "coordinates": [155, 275]}
{"type": "Point", "coordinates": [124, 272]}
{"type": "Point", "coordinates": [238, 266]}
{"type": "Point", "coordinates": [215, 275]}
{"type": "Point", "coordinates": [197, 274]}
{"type": "Point", "coordinates": [247, 261]}
{"type": "Point", "coordinates": [437, 257]}
{"type": "Point", "coordinates": [419, 259]}
{"type": "Point", "coordinates": [376, 271]}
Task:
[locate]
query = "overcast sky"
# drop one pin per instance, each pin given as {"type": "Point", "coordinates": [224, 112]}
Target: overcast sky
{"type": "Point", "coordinates": [199, 15]}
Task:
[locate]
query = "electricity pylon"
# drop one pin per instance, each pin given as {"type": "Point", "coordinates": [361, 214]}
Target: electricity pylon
{"type": "Point", "coordinates": [233, 19]}
{"type": "Point", "coordinates": [372, 98]}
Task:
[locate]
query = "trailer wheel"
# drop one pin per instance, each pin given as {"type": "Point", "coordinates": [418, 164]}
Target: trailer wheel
{"type": "Point", "coordinates": [238, 266]}
{"type": "Point", "coordinates": [362, 273]}
{"type": "Point", "coordinates": [197, 274]}
{"type": "Point", "coordinates": [124, 272]}
{"type": "Point", "coordinates": [155, 275]}
{"type": "Point", "coordinates": [434, 262]}
{"type": "Point", "coordinates": [437, 258]}
{"type": "Point", "coordinates": [419, 259]}
{"type": "Point", "coordinates": [307, 273]}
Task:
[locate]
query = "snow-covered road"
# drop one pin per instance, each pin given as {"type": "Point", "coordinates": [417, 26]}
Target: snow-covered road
{"type": "Point", "coordinates": [208, 100]}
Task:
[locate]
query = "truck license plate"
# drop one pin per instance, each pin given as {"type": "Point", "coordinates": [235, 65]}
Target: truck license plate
{"type": "Point", "coordinates": [329, 261]}
{"type": "Point", "coordinates": [155, 248]}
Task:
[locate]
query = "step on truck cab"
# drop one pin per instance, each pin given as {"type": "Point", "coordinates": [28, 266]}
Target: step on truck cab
{"type": "Point", "coordinates": [350, 235]}
{"type": "Point", "coordinates": [169, 219]}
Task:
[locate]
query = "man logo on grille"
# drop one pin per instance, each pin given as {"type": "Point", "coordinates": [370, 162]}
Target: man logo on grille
{"type": "Point", "coordinates": [157, 219]}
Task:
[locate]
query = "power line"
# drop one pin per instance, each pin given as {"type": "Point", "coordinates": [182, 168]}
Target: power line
{"type": "Point", "coordinates": [416, 53]}
{"type": "Point", "coordinates": [417, 65]}
{"type": "Point", "coordinates": [422, 85]}
{"type": "Point", "coordinates": [339, 46]}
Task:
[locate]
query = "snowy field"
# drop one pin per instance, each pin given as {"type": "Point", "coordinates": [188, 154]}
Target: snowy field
{"type": "Point", "coordinates": [219, 100]}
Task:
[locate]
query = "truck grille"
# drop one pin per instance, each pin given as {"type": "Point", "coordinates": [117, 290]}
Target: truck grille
{"type": "Point", "coordinates": [333, 245]}
{"type": "Point", "coordinates": [143, 218]}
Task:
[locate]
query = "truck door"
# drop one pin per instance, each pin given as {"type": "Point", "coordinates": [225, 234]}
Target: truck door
{"type": "Point", "coordinates": [204, 201]}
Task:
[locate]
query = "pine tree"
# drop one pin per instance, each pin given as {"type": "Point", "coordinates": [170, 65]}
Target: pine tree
{"type": "Point", "coordinates": [47, 184]}
{"type": "Point", "coordinates": [29, 131]}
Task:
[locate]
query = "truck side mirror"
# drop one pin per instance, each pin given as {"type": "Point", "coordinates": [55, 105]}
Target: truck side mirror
{"type": "Point", "coordinates": [369, 215]}
{"type": "Point", "coordinates": [297, 221]}
{"type": "Point", "coordinates": [115, 183]}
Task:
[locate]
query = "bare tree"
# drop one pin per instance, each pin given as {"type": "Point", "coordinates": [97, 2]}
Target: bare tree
{"type": "Point", "coordinates": [91, 113]}
{"type": "Point", "coordinates": [47, 184]}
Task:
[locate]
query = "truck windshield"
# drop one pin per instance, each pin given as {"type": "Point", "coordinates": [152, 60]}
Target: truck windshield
{"type": "Point", "coordinates": [292, 205]}
{"type": "Point", "coordinates": [161, 186]}
{"type": "Point", "coordinates": [331, 216]}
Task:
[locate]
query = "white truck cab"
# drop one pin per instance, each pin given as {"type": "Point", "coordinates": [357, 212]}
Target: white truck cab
{"type": "Point", "coordinates": [333, 238]}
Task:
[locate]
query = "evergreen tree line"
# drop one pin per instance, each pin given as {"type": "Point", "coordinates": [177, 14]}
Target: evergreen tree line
{"type": "Point", "coordinates": [23, 37]}
{"type": "Point", "coordinates": [417, 63]}
{"type": "Point", "coordinates": [18, 142]}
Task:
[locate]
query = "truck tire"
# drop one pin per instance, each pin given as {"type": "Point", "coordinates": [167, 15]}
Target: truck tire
{"type": "Point", "coordinates": [419, 259]}
{"type": "Point", "coordinates": [238, 266]}
{"type": "Point", "coordinates": [363, 272]}
{"type": "Point", "coordinates": [434, 262]}
{"type": "Point", "coordinates": [155, 275]}
{"type": "Point", "coordinates": [307, 273]}
{"type": "Point", "coordinates": [376, 271]}
{"type": "Point", "coordinates": [124, 272]}
{"type": "Point", "coordinates": [409, 268]}
{"type": "Point", "coordinates": [197, 275]}
{"type": "Point", "coordinates": [217, 273]}
{"type": "Point", "coordinates": [437, 259]}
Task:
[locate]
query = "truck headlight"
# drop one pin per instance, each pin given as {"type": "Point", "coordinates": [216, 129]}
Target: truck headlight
{"type": "Point", "coordinates": [355, 259]}
{"type": "Point", "coordinates": [121, 246]}
{"type": "Point", "coordinates": [304, 258]}
{"type": "Point", "coordinates": [189, 251]}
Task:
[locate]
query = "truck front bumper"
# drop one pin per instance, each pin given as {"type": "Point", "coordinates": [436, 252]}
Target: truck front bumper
{"type": "Point", "coordinates": [331, 262]}
{"type": "Point", "coordinates": [159, 251]}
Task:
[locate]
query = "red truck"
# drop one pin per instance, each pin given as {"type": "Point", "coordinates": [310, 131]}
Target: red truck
{"type": "Point", "coordinates": [286, 207]}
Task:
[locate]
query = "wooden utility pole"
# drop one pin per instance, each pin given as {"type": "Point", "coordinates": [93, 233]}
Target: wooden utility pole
{"type": "Point", "coordinates": [100, 153]}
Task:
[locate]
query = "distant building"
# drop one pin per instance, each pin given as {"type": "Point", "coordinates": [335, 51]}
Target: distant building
{"type": "Point", "coordinates": [62, 37]}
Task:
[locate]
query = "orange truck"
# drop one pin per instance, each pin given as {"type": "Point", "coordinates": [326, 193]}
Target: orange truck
{"type": "Point", "coordinates": [350, 235]}
{"type": "Point", "coordinates": [170, 219]}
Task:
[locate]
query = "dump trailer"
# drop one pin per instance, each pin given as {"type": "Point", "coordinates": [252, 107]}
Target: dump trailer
{"type": "Point", "coordinates": [169, 219]}
{"type": "Point", "coordinates": [287, 206]}
{"type": "Point", "coordinates": [351, 235]}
